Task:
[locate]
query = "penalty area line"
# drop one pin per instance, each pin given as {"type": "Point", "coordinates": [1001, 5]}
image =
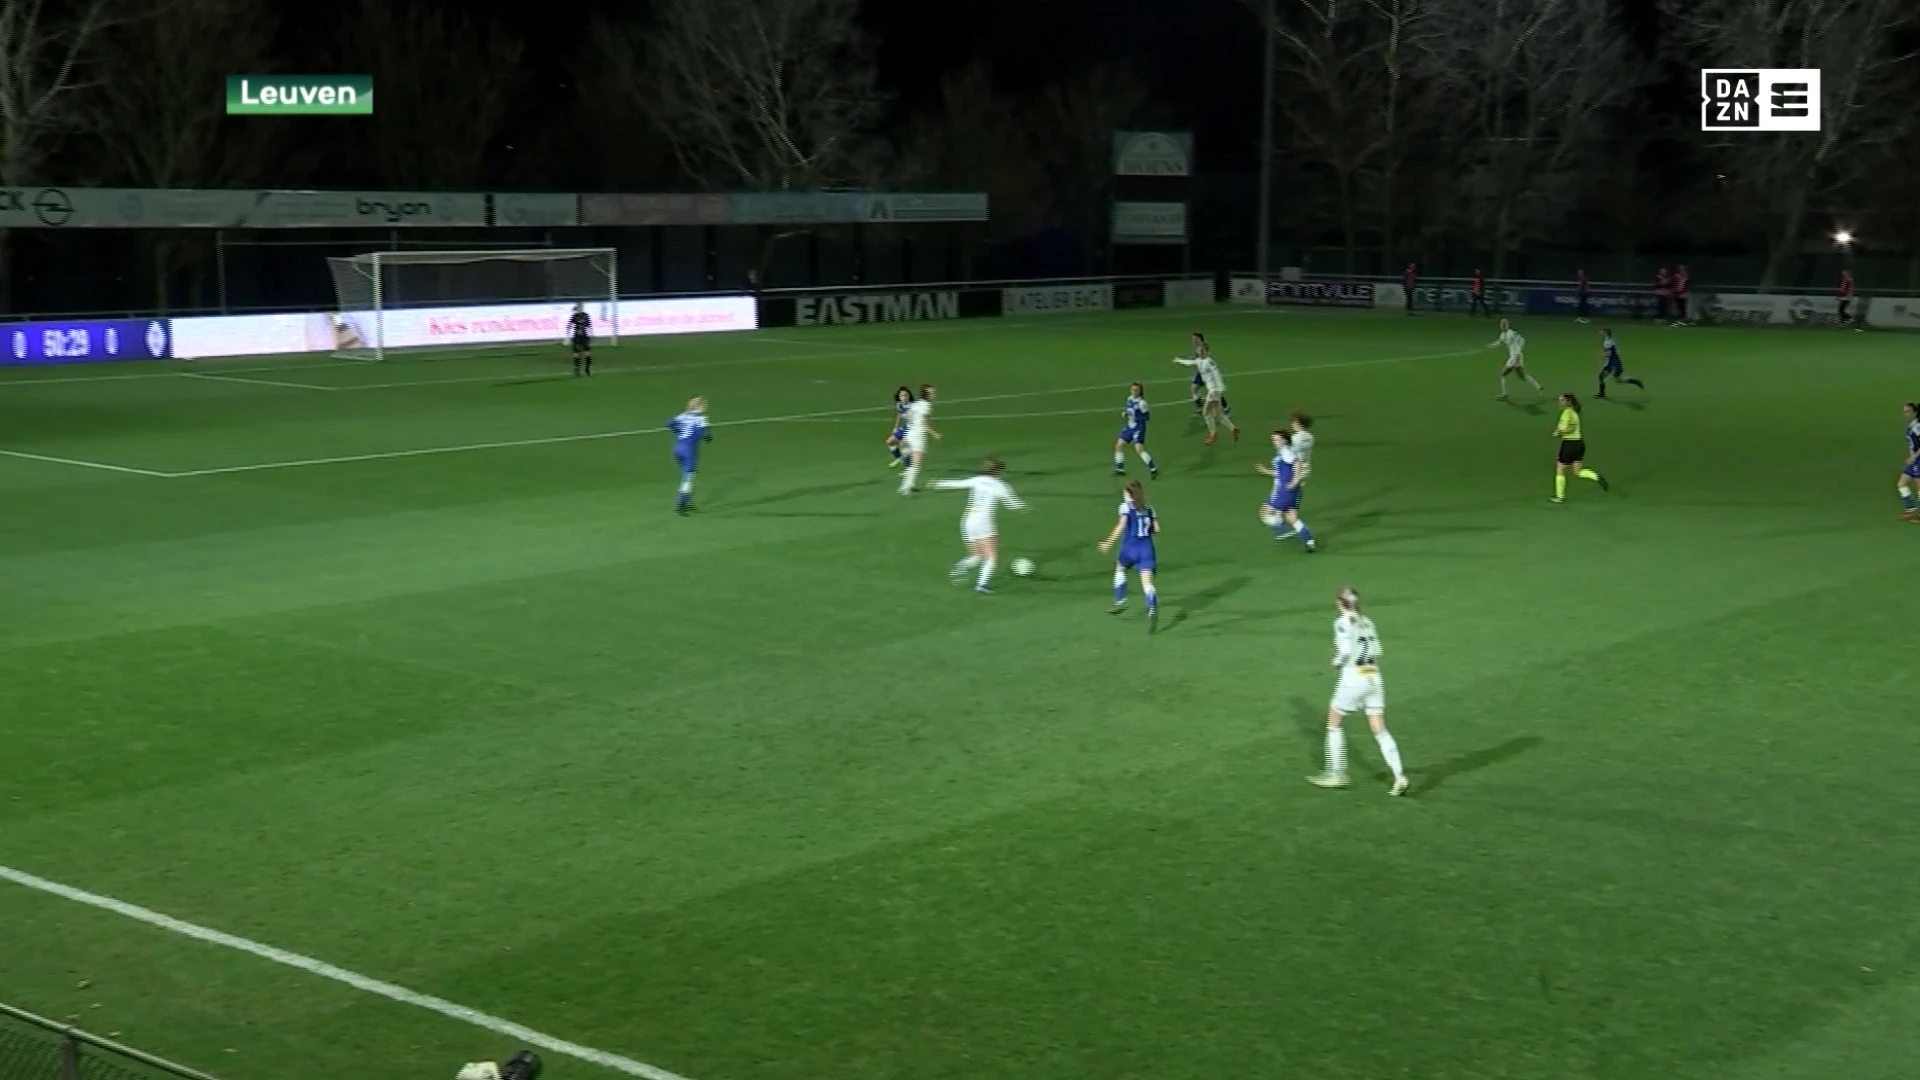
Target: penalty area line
{"type": "Point", "coordinates": [499, 1026]}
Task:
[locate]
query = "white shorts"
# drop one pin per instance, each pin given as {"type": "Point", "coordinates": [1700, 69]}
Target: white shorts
{"type": "Point", "coordinates": [1360, 690]}
{"type": "Point", "coordinates": [1216, 393]}
{"type": "Point", "coordinates": [915, 443]}
{"type": "Point", "coordinates": [1513, 363]}
{"type": "Point", "coordinates": [977, 527]}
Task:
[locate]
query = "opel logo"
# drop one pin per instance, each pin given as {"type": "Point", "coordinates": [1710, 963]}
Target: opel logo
{"type": "Point", "coordinates": [53, 207]}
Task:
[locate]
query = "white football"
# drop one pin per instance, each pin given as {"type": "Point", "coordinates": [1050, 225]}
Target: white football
{"type": "Point", "coordinates": [1023, 567]}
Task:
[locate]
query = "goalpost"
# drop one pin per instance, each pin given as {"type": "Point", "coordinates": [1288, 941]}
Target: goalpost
{"type": "Point", "coordinates": [387, 300]}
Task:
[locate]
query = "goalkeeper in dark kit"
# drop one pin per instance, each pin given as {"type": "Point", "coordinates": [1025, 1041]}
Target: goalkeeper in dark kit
{"type": "Point", "coordinates": [580, 336]}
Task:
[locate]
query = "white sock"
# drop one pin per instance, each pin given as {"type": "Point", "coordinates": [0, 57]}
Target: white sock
{"type": "Point", "coordinates": [1119, 460]}
{"type": "Point", "coordinates": [907, 480]}
{"type": "Point", "coordinates": [686, 486]}
{"type": "Point", "coordinates": [1534, 381]}
{"type": "Point", "coordinates": [1146, 459]}
{"type": "Point", "coordinates": [1336, 751]}
{"type": "Point", "coordinates": [969, 563]}
{"type": "Point", "coordinates": [1213, 422]}
{"type": "Point", "coordinates": [1119, 578]}
{"type": "Point", "coordinates": [986, 573]}
{"type": "Point", "coordinates": [1391, 751]}
{"type": "Point", "coordinates": [1503, 384]}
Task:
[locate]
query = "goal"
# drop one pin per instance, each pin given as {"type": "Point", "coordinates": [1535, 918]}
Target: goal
{"type": "Point", "coordinates": [395, 300]}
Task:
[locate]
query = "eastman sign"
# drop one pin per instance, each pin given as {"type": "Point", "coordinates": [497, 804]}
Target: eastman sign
{"type": "Point", "coordinates": [875, 308]}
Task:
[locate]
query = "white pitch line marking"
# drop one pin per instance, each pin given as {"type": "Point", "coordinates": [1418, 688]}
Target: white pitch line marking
{"type": "Point", "coordinates": [827, 414]}
{"type": "Point", "coordinates": [244, 381]}
{"type": "Point", "coordinates": [321, 968]}
{"type": "Point", "coordinates": [79, 464]}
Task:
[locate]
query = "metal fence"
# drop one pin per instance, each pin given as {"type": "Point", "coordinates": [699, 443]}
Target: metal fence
{"type": "Point", "coordinates": [36, 1048]}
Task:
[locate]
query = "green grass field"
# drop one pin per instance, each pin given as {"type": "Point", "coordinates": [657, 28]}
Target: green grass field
{"type": "Point", "coordinates": [410, 668]}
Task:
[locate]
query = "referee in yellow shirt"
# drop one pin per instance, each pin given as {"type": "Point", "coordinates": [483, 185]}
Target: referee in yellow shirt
{"type": "Point", "coordinates": [1573, 450]}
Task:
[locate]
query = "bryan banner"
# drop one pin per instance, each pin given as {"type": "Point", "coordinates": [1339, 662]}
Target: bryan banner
{"type": "Point", "coordinates": [178, 208]}
{"type": "Point", "coordinates": [1894, 312]}
{"type": "Point", "coordinates": [1153, 153]}
{"type": "Point", "coordinates": [1604, 303]}
{"type": "Point", "coordinates": [1349, 294]}
{"type": "Point", "coordinates": [76, 341]}
{"type": "Point", "coordinates": [655, 209]}
{"type": "Point", "coordinates": [403, 328]}
{"type": "Point", "coordinates": [1149, 223]}
{"type": "Point", "coordinates": [1059, 299]}
{"type": "Point", "coordinates": [1460, 298]}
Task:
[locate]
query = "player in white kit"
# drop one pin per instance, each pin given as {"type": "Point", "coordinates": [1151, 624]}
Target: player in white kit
{"type": "Point", "coordinates": [1516, 357]}
{"type": "Point", "coordinates": [1214, 409]}
{"type": "Point", "coordinates": [986, 494]}
{"type": "Point", "coordinates": [1356, 653]}
{"type": "Point", "coordinates": [919, 426]}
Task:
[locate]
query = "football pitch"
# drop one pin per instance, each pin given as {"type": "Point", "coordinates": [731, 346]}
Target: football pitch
{"type": "Point", "coordinates": [410, 669]}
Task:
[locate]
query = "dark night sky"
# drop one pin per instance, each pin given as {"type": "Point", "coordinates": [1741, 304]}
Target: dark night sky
{"type": "Point", "coordinates": [1201, 57]}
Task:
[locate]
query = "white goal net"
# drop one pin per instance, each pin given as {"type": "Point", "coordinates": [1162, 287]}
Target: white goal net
{"type": "Point", "coordinates": [394, 300]}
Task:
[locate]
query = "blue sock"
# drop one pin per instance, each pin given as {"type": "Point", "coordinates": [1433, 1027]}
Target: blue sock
{"type": "Point", "coordinates": [1153, 597]}
{"type": "Point", "coordinates": [896, 451]}
{"type": "Point", "coordinates": [1280, 528]}
{"type": "Point", "coordinates": [1120, 587]}
{"type": "Point", "coordinates": [1305, 536]}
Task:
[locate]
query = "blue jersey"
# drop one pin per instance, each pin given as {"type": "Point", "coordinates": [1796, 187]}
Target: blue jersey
{"type": "Point", "coordinates": [1913, 447]}
{"type": "Point", "coordinates": [689, 431]}
{"type": "Point", "coordinates": [1136, 414]}
{"type": "Point", "coordinates": [1610, 350]}
{"type": "Point", "coordinates": [1285, 496]}
{"type": "Point", "coordinates": [1136, 537]}
{"type": "Point", "coordinates": [900, 418]}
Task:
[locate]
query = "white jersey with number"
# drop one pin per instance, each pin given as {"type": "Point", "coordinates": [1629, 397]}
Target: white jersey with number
{"type": "Point", "coordinates": [1356, 649]}
{"type": "Point", "coordinates": [1209, 373]}
{"type": "Point", "coordinates": [918, 424]}
{"type": "Point", "coordinates": [985, 496]}
{"type": "Point", "coordinates": [1516, 346]}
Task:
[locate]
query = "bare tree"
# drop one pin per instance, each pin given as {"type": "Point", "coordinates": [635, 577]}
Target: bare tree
{"type": "Point", "coordinates": [1328, 56]}
{"type": "Point", "coordinates": [168, 127]}
{"type": "Point", "coordinates": [43, 68]}
{"type": "Point", "coordinates": [975, 141]}
{"type": "Point", "coordinates": [1539, 86]}
{"type": "Point", "coordinates": [759, 94]}
{"type": "Point", "coordinates": [1866, 98]}
{"type": "Point", "coordinates": [1406, 109]}
{"type": "Point", "coordinates": [444, 83]}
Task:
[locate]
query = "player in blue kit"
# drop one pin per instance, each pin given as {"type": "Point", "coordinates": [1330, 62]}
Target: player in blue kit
{"type": "Point", "coordinates": [690, 430]}
{"type": "Point", "coordinates": [902, 401]}
{"type": "Point", "coordinates": [1610, 365]}
{"type": "Point", "coordinates": [1281, 511]}
{"type": "Point", "coordinates": [1134, 532]}
{"type": "Point", "coordinates": [1910, 473]}
{"type": "Point", "coordinates": [1133, 432]}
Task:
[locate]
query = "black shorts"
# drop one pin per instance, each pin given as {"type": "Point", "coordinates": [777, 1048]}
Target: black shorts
{"type": "Point", "coordinates": [582, 344]}
{"type": "Point", "coordinates": [1572, 450]}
